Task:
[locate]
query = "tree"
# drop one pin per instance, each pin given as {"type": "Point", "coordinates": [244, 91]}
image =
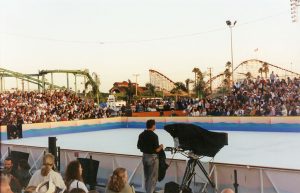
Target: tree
{"type": "Point", "coordinates": [227, 74]}
{"type": "Point", "coordinates": [248, 75]}
{"type": "Point", "coordinates": [200, 85]}
{"type": "Point", "coordinates": [129, 93]}
{"type": "Point", "coordinates": [260, 70]}
{"type": "Point", "coordinates": [94, 83]}
{"type": "Point", "coordinates": [151, 89]}
{"type": "Point", "coordinates": [187, 85]}
{"type": "Point", "coordinates": [265, 69]}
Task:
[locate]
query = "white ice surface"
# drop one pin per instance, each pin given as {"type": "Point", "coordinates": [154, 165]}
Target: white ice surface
{"type": "Point", "coordinates": [268, 149]}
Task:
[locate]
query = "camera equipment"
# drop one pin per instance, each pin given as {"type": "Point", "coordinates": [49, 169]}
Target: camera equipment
{"type": "Point", "coordinates": [194, 142]}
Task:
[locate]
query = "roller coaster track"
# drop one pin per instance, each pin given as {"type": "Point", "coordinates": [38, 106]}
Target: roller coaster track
{"type": "Point", "coordinates": [26, 77]}
{"type": "Point", "coordinates": [161, 81]}
{"type": "Point", "coordinates": [42, 83]}
{"type": "Point", "coordinates": [262, 62]}
{"type": "Point", "coordinates": [252, 62]}
{"type": "Point", "coordinates": [75, 72]}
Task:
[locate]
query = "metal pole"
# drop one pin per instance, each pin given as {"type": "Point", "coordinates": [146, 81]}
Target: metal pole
{"type": "Point", "coordinates": [75, 83]}
{"type": "Point", "coordinates": [27, 86]}
{"type": "Point", "coordinates": [136, 75]}
{"type": "Point", "coordinates": [44, 85]}
{"type": "Point", "coordinates": [210, 80]}
{"type": "Point", "coordinates": [39, 89]}
{"type": "Point", "coordinates": [1, 84]}
{"type": "Point", "coordinates": [17, 86]}
{"type": "Point", "coordinates": [231, 55]}
{"type": "Point", "coordinates": [51, 81]}
{"type": "Point", "coordinates": [84, 82]}
{"type": "Point", "coordinates": [67, 81]}
{"type": "Point", "coordinates": [22, 82]}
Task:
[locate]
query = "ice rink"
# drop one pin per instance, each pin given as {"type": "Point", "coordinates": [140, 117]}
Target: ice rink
{"type": "Point", "coordinates": [267, 149]}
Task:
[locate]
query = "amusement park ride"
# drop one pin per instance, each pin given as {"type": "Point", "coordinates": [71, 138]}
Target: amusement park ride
{"type": "Point", "coordinates": [39, 79]}
{"type": "Point", "coordinates": [251, 67]}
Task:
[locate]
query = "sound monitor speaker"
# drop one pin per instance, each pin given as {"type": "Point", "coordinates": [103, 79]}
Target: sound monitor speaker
{"type": "Point", "coordinates": [90, 170]}
{"type": "Point", "coordinates": [14, 131]}
{"type": "Point", "coordinates": [52, 146]}
{"type": "Point", "coordinates": [16, 156]}
{"type": "Point", "coordinates": [172, 187]}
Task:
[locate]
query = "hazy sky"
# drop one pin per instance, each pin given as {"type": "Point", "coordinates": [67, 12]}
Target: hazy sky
{"type": "Point", "coordinates": [118, 38]}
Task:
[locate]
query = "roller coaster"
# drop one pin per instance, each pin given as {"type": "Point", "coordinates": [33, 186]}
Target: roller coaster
{"type": "Point", "coordinates": [160, 81]}
{"type": "Point", "coordinates": [39, 79]}
{"type": "Point", "coordinates": [254, 68]}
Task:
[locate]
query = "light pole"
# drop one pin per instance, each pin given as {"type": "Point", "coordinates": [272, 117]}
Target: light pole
{"type": "Point", "coordinates": [136, 75]}
{"type": "Point", "coordinates": [231, 25]}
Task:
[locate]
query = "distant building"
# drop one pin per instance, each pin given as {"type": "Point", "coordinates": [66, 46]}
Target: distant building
{"type": "Point", "coordinates": [121, 87]}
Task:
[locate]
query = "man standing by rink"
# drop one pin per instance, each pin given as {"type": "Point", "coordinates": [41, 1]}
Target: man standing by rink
{"type": "Point", "coordinates": [148, 144]}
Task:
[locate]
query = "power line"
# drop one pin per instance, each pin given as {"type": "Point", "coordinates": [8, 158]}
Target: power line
{"type": "Point", "coordinates": [144, 40]}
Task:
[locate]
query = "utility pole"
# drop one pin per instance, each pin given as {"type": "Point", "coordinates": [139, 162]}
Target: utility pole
{"type": "Point", "coordinates": [136, 75]}
{"type": "Point", "coordinates": [231, 25]}
{"type": "Point", "coordinates": [210, 86]}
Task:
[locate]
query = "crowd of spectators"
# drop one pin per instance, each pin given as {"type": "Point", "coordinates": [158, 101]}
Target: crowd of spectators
{"type": "Point", "coordinates": [51, 106]}
{"type": "Point", "coordinates": [48, 180]}
{"type": "Point", "coordinates": [253, 97]}
{"type": "Point", "coordinates": [250, 97]}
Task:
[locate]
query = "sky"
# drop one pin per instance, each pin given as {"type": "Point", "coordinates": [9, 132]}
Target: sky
{"type": "Point", "coordinates": [119, 38]}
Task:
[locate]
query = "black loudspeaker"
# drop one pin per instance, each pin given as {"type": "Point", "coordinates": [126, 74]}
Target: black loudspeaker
{"type": "Point", "coordinates": [16, 156]}
{"type": "Point", "coordinates": [172, 187]}
{"type": "Point", "coordinates": [52, 146]}
{"type": "Point", "coordinates": [14, 131]}
{"type": "Point", "coordinates": [90, 170]}
{"type": "Point", "coordinates": [53, 150]}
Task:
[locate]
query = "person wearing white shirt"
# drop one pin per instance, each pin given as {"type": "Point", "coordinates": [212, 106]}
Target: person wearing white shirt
{"type": "Point", "coordinates": [73, 176]}
{"type": "Point", "coordinates": [46, 173]}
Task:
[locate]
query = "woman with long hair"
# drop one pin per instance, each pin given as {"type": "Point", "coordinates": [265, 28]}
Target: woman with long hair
{"type": "Point", "coordinates": [73, 176]}
{"type": "Point", "coordinates": [118, 182]}
{"type": "Point", "coordinates": [46, 173]}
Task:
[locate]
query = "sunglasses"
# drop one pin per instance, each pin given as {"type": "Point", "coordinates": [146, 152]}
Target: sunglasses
{"type": "Point", "coordinates": [48, 164]}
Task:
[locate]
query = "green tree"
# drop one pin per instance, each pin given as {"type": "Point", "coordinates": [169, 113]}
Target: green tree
{"type": "Point", "coordinates": [265, 69]}
{"type": "Point", "coordinates": [187, 85]}
{"type": "Point", "coordinates": [150, 89]}
{"type": "Point", "coordinates": [200, 85]}
{"type": "Point", "coordinates": [260, 70]}
{"type": "Point", "coordinates": [95, 92]}
{"type": "Point", "coordinates": [248, 75]}
{"type": "Point", "coordinates": [179, 86]}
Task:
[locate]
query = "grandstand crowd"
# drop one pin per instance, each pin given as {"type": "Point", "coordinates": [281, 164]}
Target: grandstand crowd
{"type": "Point", "coordinates": [51, 106]}
{"type": "Point", "coordinates": [258, 97]}
{"type": "Point", "coordinates": [250, 97]}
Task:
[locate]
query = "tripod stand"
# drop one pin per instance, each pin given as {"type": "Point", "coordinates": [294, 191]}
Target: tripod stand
{"type": "Point", "coordinates": [190, 172]}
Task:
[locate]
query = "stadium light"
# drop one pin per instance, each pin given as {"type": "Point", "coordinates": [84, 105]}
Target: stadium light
{"type": "Point", "coordinates": [231, 25]}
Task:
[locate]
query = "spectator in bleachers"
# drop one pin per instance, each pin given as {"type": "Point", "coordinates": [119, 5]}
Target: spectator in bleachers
{"type": "Point", "coordinates": [118, 182]}
{"type": "Point", "coordinates": [73, 176]}
{"type": "Point", "coordinates": [46, 173]}
{"type": "Point", "coordinates": [50, 106]}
